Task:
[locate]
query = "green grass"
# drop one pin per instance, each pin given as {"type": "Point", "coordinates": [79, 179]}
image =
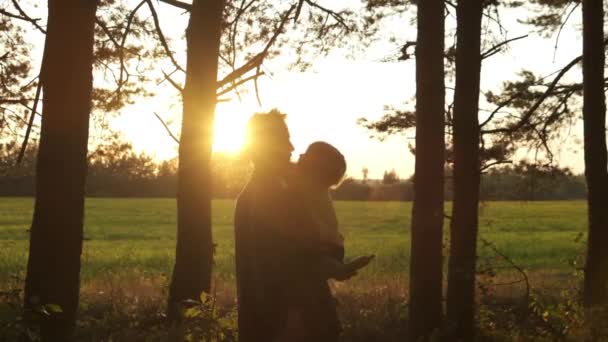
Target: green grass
{"type": "Point", "coordinates": [137, 236]}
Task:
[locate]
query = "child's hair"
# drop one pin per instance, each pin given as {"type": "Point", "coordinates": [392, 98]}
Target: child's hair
{"type": "Point", "coordinates": [325, 163]}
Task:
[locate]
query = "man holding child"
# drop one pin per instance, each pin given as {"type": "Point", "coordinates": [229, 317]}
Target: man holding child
{"type": "Point", "coordinates": [287, 241]}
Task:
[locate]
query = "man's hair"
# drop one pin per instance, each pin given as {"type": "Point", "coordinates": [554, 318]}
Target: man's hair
{"type": "Point", "coordinates": [326, 163]}
{"type": "Point", "coordinates": [261, 127]}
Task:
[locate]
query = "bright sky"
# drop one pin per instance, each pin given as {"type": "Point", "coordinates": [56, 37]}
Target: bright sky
{"type": "Point", "coordinates": [325, 102]}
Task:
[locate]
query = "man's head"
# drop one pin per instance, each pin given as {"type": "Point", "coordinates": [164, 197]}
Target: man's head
{"type": "Point", "coordinates": [323, 163]}
{"type": "Point", "coordinates": [268, 143]}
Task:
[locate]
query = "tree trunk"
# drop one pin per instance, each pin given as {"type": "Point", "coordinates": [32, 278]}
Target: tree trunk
{"type": "Point", "coordinates": [194, 251]}
{"type": "Point", "coordinates": [425, 308]}
{"type": "Point", "coordinates": [596, 173]}
{"type": "Point", "coordinates": [53, 269]}
{"type": "Point", "coordinates": [463, 238]}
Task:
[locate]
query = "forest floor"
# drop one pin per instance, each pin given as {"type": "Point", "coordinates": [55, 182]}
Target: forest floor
{"type": "Point", "coordinates": [129, 247]}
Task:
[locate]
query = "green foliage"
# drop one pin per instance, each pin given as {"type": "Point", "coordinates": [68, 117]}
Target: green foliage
{"type": "Point", "coordinates": [16, 321]}
{"type": "Point", "coordinates": [204, 321]}
{"type": "Point", "coordinates": [531, 182]}
{"type": "Point", "coordinates": [394, 121]}
{"type": "Point", "coordinates": [12, 324]}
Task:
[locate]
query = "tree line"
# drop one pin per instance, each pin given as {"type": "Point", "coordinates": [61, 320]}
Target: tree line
{"type": "Point", "coordinates": [116, 170]}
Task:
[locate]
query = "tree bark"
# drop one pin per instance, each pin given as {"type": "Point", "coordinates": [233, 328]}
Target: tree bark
{"type": "Point", "coordinates": [194, 251]}
{"type": "Point", "coordinates": [425, 309]}
{"type": "Point", "coordinates": [596, 173]}
{"type": "Point", "coordinates": [53, 269]}
{"type": "Point", "coordinates": [464, 225]}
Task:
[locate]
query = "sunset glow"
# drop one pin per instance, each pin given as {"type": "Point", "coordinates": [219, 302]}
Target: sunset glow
{"type": "Point", "coordinates": [229, 127]}
{"type": "Point", "coordinates": [228, 135]}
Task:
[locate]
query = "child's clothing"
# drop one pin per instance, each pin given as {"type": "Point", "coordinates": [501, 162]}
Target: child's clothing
{"type": "Point", "coordinates": [324, 215]}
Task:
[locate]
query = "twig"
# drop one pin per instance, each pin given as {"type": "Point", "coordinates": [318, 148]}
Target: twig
{"type": "Point", "coordinates": [537, 104]}
{"type": "Point", "coordinates": [121, 50]}
{"type": "Point", "coordinates": [106, 30]}
{"type": "Point", "coordinates": [496, 48]}
{"type": "Point", "coordinates": [27, 17]}
{"type": "Point", "coordinates": [525, 278]}
{"type": "Point", "coordinates": [166, 128]}
{"type": "Point", "coordinates": [31, 122]}
{"type": "Point", "coordinates": [173, 83]}
{"type": "Point", "coordinates": [489, 165]}
{"type": "Point", "coordinates": [298, 10]}
{"type": "Point", "coordinates": [240, 82]}
{"type": "Point", "coordinates": [161, 36]}
{"type": "Point", "coordinates": [561, 28]}
{"type": "Point", "coordinates": [333, 14]}
{"type": "Point", "coordinates": [548, 92]}
{"type": "Point", "coordinates": [257, 88]}
{"type": "Point", "coordinates": [256, 60]}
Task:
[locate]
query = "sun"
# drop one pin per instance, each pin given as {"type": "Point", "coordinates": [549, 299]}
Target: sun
{"type": "Point", "coordinates": [229, 132]}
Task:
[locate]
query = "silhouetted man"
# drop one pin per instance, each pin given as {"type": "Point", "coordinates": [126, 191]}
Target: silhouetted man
{"type": "Point", "coordinates": [260, 232]}
{"type": "Point", "coordinates": [281, 272]}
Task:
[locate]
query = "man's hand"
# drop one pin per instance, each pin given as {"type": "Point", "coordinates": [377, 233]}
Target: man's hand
{"type": "Point", "coordinates": [332, 268]}
{"type": "Point", "coordinates": [341, 272]}
{"type": "Point", "coordinates": [344, 272]}
{"type": "Point", "coordinates": [359, 262]}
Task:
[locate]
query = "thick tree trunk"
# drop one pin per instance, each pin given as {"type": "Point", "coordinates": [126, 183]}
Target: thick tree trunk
{"type": "Point", "coordinates": [594, 116]}
{"type": "Point", "coordinates": [427, 214]}
{"type": "Point", "coordinates": [194, 252]}
{"type": "Point", "coordinates": [53, 270]}
{"type": "Point", "coordinates": [463, 237]}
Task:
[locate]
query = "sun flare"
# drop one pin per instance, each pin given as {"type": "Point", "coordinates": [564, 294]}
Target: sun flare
{"type": "Point", "coordinates": [229, 132]}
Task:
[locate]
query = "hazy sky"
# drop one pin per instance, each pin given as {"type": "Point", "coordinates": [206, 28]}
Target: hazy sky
{"type": "Point", "coordinates": [325, 102]}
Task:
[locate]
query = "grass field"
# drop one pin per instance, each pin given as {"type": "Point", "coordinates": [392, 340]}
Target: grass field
{"type": "Point", "coordinates": [129, 247]}
{"type": "Point", "coordinates": [124, 237]}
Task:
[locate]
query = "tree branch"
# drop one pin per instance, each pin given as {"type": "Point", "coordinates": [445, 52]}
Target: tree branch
{"type": "Point", "coordinates": [485, 167]}
{"type": "Point", "coordinates": [561, 28]}
{"type": "Point", "coordinates": [27, 18]}
{"type": "Point", "coordinates": [121, 48]}
{"type": "Point", "coordinates": [240, 82]}
{"type": "Point", "coordinates": [30, 123]}
{"type": "Point", "coordinates": [173, 83]}
{"type": "Point", "coordinates": [496, 48]}
{"type": "Point", "coordinates": [526, 117]}
{"type": "Point", "coordinates": [166, 128]}
{"type": "Point", "coordinates": [106, 30]}
{"type": "Point", "coordinates": [178, 4]}
{"type": "Point", "coordinates": [161, 36]}
{"type": "Point", "coordinates": [333, 14]}
{"type": "Point", "coordinates": [524, 275]}
{"type": "Point", "coordinates": [256, 60]}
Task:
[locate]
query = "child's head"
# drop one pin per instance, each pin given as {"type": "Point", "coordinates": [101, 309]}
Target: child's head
{"type": "Point", "coordinates": [323, 163]}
